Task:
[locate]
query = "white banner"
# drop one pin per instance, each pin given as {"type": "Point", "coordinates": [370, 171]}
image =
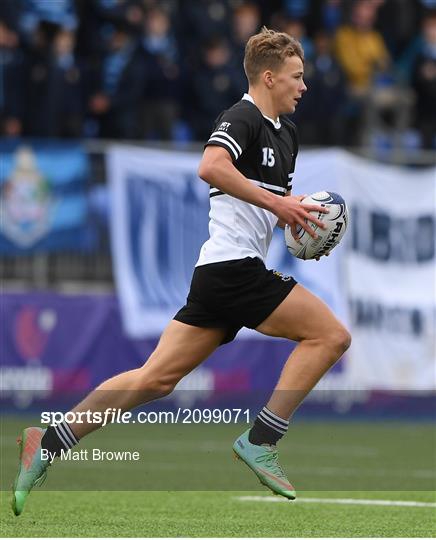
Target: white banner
{"type": "Point", "coordinates": [380, 281]}
{"type": "Point", "coordinates": [390, 274]}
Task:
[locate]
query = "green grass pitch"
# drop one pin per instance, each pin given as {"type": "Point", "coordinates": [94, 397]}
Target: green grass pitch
{"type": "Point", "coordinates": [187, 484]}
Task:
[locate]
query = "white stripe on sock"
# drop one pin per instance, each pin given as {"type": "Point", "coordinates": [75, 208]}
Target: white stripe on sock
{"type": "Point", "coordinates": [270, 423]}
{"type": "Point", "coordinates": [65, 434]}
{"type": "Point", "coordinates": [69, 431]}
{"type": "Point", "coordinates": [62, 438]}
{"type": "Point", "coordinates": [275, 417]}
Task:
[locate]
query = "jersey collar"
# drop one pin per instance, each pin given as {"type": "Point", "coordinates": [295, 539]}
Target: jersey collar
{"type": "Point", "coordinates": [277, 124]}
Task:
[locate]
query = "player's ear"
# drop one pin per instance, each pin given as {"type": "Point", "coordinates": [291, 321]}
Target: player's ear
{"type": "Point", "coordinates": [268, 78]}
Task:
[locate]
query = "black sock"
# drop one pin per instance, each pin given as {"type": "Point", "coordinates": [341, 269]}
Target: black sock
{"type": "Point", "coordinates": [268, 428]}
{"type": "Point", "coordinates": [58, 438]}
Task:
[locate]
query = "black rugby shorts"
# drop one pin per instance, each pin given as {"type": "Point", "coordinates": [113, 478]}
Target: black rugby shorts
{"type": "Point", "coordinates": [233, 294]}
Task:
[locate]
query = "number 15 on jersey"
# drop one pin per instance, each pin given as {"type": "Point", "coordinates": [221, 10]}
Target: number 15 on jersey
{"type": "Point", "coordinates": [268, 157]}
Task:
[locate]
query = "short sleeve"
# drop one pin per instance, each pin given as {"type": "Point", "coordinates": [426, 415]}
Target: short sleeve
{"type": "Point", "coordinates": [235, 130]}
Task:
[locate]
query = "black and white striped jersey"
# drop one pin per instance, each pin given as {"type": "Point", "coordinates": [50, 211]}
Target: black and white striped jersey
{"type": "Point", "coordinates": [264, 151]}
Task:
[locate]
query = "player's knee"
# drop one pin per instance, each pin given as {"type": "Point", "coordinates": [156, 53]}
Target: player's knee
{"type": "Point", "coordinates": [156, 385]}
{"type": "Point", "coordinates": [339, 339]}
{"type": "Point", "coordinates": [163, 386]}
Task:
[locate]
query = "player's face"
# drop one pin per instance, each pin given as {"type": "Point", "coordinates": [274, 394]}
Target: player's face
{"type": "Point", "coordinates": [289, 85]}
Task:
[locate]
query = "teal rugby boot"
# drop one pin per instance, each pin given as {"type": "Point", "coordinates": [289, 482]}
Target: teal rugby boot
{"type": "Point", "coordinates": [32, 469]}
{"type": "Point", "coordinates": [263, 461]}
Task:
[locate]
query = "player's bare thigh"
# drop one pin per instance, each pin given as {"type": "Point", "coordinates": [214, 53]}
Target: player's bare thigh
{"type": "Point", "coordinates": [301, 316]}
{"type": "Point", "coordinates": [181, 348]}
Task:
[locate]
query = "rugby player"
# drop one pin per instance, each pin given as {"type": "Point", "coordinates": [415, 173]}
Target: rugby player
{"type": "Point", "coordinates": [249, 163]}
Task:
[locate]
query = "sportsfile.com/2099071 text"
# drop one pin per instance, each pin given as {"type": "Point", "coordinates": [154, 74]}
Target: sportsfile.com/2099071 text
{"type": "Point", "coordinates": [182, 416]}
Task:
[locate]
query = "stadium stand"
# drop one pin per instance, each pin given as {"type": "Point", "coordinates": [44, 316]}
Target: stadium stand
{"type": "Point", "coordinates": [160, 70]}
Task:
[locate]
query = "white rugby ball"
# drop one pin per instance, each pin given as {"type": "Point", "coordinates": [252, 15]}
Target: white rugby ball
{"type": "Point", "coordinates": [336, 221]}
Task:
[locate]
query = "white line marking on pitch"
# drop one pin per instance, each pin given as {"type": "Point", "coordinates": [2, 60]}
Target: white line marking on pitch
{"type": "Point", "coordinates": [369, 502]}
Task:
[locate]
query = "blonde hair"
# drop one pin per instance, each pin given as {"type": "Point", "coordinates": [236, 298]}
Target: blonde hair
{"type": "Point", "coordinates": [268, 50]}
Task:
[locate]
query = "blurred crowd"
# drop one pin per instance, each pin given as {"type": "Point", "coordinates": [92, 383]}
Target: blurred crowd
{"type": "Point", "coordinates": [163, 70]}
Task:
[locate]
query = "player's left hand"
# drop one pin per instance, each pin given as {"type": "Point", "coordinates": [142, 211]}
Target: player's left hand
{"type": "Point", "coordinates": [294, 225]}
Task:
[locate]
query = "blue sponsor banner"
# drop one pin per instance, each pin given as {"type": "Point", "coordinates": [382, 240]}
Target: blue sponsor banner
{"type": "Point", "coordinates": [158, 223]}
{"type": "Point", "coordinates": [167, 227]}
{"type": "Point", "coordinates": [43, 198]}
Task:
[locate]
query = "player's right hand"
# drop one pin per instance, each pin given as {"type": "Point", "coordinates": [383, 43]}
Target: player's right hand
{"type": "Point", "coordinates": [292, 211]}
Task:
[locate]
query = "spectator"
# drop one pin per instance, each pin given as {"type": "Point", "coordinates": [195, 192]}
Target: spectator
{"type": "Point", "coordinates": [12, 70]}
{"type": "Point", "coordinates": [360, 49]}
{"type": "Point", "coordinates": [246, 22]}
{"type": "Point", "coordinates": [203, 20]}
{"type": "Point", "coordinates": [35, 88]}
{"type": "Point", "coordinates": [331, 15]}
{"type": "Point", "coordinates": [398, 22]}
{"type": "Point", "coordinates": [320, 114]}
{"type": "Point", "coordinates": [56, 106]}
{"type": "Point", "coordinates": [424, 82]}
{"type": "Point", "coordinates": [213, 87]}
{"type": "Point", "coordinates": [98, 18]}
{"type": "Point", "coordinates": [163, 87]}
{"type": "Point", "coordinates": [118, 87]}
{"type": "Point", "coordinates": [324, 15]}
{"type": "Point", "coordinates": [57, 13]}
{"type": "Point", "coordinates": [362, 54]}
{"type": "Point", "coordinates": [297, 29]}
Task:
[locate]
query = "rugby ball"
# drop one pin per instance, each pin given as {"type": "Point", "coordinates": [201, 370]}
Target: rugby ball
{"type": "Point", "coordinates": [336, 221]}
